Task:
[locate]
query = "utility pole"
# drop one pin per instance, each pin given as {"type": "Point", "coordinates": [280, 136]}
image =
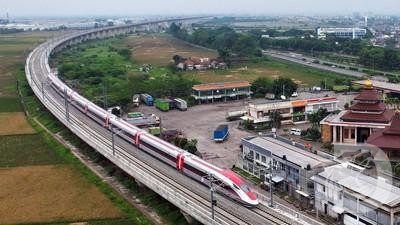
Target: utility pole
{"type": "Point", "coordinates": [283, 90]}
{"type": "Point", "coordinates": [271, 184]}
{"type": "Point", "coordinates": [66, 104]}
{"type": "Point", "coordinates": [112, 139]}
{"type": "Point", "coordinates": [105, 97]}
{"type": "Point", "coordinates": [213, 201]}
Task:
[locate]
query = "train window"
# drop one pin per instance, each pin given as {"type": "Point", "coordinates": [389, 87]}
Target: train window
{"type": "Point", "coordinates": [245, 188]}
{"type": "Point", "coordinates": [234, 185]}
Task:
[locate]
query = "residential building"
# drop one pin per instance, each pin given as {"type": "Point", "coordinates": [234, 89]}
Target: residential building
{"type": "Point", "coordinates": [291, 111]}
{"type": "Point", "coordinates": [353, 33]}
{"type": "Point", "coordinates": [292, 164]}
{"type": "Point", "coordinates": [198, 63]}
{"type": "Point", "coordinates": [367, 115]}
{"type": "Point", "coordinates": [211, 92]}
{"type": "Point", "coordinates": [342, 191]}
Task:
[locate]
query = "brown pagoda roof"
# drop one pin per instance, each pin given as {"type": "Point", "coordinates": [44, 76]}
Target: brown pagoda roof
{"type": "Point", "coordinates": [375, 107]}
{"type": "Point", "coordinates": [388, 138]}
{"type": "Point", "coordinates": [369, 94]}
{"type": "Point", "coordinates": [384, 117]}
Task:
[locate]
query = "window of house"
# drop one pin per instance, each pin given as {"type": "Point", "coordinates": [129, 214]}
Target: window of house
{"type": "Point", "coordinates": [257, 156]}
{"type": "Point", "coordinates": [263, 159]}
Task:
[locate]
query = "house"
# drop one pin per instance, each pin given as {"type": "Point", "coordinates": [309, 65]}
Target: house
{"type": "Point", "coordinates": [198, 63]}
{"type": "Point", "coordinates": [291, 164]}
{"type": "Point", "coordinates": [343, 192]}
{"type": "Point", "coordinates": [212, 92]}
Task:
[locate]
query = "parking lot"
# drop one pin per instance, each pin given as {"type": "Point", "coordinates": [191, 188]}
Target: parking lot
{"type": "Point", "coordinates": [200, 121]}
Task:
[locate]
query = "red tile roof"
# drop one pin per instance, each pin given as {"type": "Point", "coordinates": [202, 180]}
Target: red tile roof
{"type": "Point", "coordinates": [385, 117]}
{"type": "Point", "coordinates": [388, 138]}
{"type": "Point", "coordinates": [216, 86]}
{"type": "Point", "coordinates": [359, 106]}
{"type": "Point", "coordinates": [369, 95]}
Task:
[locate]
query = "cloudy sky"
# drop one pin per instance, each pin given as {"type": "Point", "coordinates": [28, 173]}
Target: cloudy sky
{"type": "Point", "coordinates": [173, 7]}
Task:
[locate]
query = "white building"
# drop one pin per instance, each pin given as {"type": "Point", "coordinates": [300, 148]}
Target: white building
{"type": "Point", "coordinates": [353, 33]}
{"type": "Point", "coordinates": [344, 192]}
{"type": "Point", "coordinates": [291, 111]}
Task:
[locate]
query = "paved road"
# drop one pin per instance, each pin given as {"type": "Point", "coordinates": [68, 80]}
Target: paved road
{"type": "Point", "coordinates": [296, 58]}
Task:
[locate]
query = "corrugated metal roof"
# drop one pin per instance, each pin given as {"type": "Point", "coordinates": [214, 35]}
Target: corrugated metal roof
{"type": "Point", "coordinates": [225, 85]}
{"type": "Point", "coordinates": [293, 154]}
{"type": "Point", "coordinates": [377, 189]}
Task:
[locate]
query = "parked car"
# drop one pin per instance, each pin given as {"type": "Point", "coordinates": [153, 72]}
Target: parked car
{"type": "Point", "coordinates": [295, 94]}
{"type": "Point", "coordinates": [295, 131]}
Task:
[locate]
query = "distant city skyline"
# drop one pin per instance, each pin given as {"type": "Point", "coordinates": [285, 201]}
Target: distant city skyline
{"type": "Point", "coordinates": [53, 8]}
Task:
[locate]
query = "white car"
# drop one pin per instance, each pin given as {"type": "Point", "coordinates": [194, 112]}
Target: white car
{"type": "Point", "coordinates": [295, 131]}
{"type": "Point", "coordinates": [295, 94]}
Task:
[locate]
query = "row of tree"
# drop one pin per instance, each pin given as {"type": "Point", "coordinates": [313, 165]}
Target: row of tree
{"type": "Point", "coordinates": [281, 86]}
{"type": "Point", "coordinates": [224, 39]}
{"type": "Point", "coordinates": [370, 56]}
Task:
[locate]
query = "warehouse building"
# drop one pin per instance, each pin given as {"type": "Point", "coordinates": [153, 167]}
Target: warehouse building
{"type": "Point", "coordinates": [292, 164]}
{"type": "Point", "coordinates": [353, 33]}
{"type": "Point", "coordinates": [217, 92]}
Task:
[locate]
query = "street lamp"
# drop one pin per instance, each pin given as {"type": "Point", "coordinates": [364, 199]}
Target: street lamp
{"type": "Point", "coordinates": [271, 184]}
{"type": "Point", "coordinates": [211, 178]}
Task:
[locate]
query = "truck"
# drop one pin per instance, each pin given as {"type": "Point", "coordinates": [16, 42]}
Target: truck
{"type": "Point", "coordinates": [235, 115]}
{"type": "Point", "coordinates": [136, 100]}
{"type": "Point", "coordinates": [164, 104]}
{"type": "Point", "coordinates": [147, 99]}
{"type": "Point", "coordinates": [135, 114]}
{"type": "Point", "coordinates": [180, 104]}
{"type": "Point", "coordinates": [144, 120]}
{"type": "Point", "coordinates": [221, 133]}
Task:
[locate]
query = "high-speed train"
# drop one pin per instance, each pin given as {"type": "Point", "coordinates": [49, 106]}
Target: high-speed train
{"type": "Point", "coordinates": [230, 184]}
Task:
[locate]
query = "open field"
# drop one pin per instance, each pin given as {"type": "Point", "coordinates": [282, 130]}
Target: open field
{"type": "Point", "coordinates": [14, 123]}
{"type": "Point", "coordinates": [10, 104]}
{"type": "Point", "coordinates": [13, 50]}
{"type": "Point", "coordinates": [50, 193]}
{"type": "Point", "coordinates": [159, 49]}
{"type": "Point", "coordinates": [24, 150]}
{"type": "Point", "coordinates": [305, 77]}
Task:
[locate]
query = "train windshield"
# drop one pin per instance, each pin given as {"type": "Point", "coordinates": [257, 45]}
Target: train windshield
{"type": "Point", "coordinates": [245, 188]}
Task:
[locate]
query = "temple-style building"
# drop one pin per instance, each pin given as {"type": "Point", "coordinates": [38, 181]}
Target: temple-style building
{"type": "Point", "coordinates": [388, 139]}
{"type": "Point", "coordinates": [367, 115]}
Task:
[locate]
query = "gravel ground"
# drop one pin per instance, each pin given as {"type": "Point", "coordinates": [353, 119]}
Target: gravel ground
{"type": "Point", "coordinates": [199, 122]}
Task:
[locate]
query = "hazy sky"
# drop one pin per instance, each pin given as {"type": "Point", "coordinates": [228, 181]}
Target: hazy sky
{"type": "Point", "coordinates": [140, 7]}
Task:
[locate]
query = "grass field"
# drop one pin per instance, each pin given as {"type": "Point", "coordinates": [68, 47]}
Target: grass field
{"type": "Point", "coordinates": [159, 49]}
{"type": "Point", "coordinates": [26, 150]}
{"type": "Point", "coordinates": [14, 123]}
{"type": "Point", "coordinates": [64, 196]}
{"type": "Point", "coordinates": [305, 77]}
{"type": "Point", "coordinates": [13, 50]}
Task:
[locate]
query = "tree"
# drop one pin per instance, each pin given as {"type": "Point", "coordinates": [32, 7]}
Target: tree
{"type": "Point", "coordinates": [316, 117]}
{"type": "Point", "coordinates": [275, 119]}
{"type": "Point", "coordinates": [283, 86]}
{"type": "Point", "coordinates": [246, 45]}
{"type": "Point", "coordinates": [177, 59]}
{"type": "Point", "coordinates": [261, 86]}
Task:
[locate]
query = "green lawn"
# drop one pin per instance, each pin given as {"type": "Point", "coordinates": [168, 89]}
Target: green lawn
{"type": "Point", "coordinates": [10, 104]}
{"type": "Point", "coordinates": [26, 150]}
{"type": "Point", "coordinates": [271, 68]}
